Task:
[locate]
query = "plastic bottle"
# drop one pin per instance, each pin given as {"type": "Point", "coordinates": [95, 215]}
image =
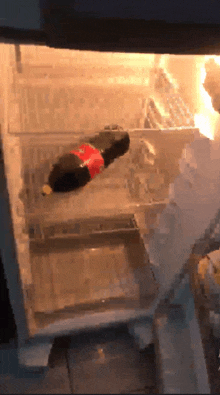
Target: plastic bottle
{"type": "Point", "coordinates": [76, 168]}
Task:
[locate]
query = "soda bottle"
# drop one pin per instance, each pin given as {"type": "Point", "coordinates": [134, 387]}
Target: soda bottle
{"type": "Point", "coordinates": [76, 168]}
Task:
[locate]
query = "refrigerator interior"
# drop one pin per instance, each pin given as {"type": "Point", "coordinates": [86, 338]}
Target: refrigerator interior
{"type": "Point", "coordinates": [84, 248]}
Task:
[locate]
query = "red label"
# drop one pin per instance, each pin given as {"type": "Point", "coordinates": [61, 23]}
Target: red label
{"type": "Point", "coordinates": [91, 157]}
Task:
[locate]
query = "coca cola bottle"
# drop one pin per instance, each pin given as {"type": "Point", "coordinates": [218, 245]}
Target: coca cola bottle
{"type": "Point", "coordinates": [76, 168]}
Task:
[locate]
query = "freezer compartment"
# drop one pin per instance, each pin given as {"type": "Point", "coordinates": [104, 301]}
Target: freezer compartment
{"type": "Point", "coordinates": [91, 272]}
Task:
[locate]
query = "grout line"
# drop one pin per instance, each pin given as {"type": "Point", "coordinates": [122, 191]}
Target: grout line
{"type": "Point", "coordinates": [69, 371]}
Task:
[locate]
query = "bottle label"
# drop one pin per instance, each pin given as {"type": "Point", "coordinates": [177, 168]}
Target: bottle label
{"type": "Point", "coordinates": [91, 158]}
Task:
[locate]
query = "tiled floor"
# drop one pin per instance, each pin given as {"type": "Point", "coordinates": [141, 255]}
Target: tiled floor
{"type": "Point", "coordinates": [106, 362]}
{"type": "Point", "coordinates": [15, 381]}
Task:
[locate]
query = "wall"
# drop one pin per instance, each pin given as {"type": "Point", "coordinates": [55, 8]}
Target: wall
{"type": "Point", "coordinates": [22, 14]}
{"type": "Point", "coordinates": [26, 13]}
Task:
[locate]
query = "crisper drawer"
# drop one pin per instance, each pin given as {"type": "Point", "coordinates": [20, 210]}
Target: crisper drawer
{"type": "Point", "coordinates": [90, 270]}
